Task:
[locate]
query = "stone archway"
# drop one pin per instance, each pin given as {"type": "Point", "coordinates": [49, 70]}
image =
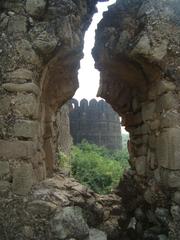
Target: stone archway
{"type": "Point", "coordinates": [137, 53]}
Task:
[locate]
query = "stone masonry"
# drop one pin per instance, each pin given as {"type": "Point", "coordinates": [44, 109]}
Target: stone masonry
{"type": "Point", "coordinates": [95, 122]}
{"type": "Point", "coordinates": [137, 52]}
{"type": "Point", "coordinates": [40, 48]}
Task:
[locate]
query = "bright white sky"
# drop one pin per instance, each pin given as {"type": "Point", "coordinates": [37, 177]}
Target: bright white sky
{"type": "Point", "coordinates": [88, 75]}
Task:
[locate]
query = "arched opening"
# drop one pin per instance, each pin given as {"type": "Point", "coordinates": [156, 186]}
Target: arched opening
{"type": "Point", "coordinates": [58, 84]}
{"type": "Point", "coordinates": [93, 120]}
{"type": "Point", "coordinates": [57, 88]}
{"type": "Point", "coordinates": [137, 53]}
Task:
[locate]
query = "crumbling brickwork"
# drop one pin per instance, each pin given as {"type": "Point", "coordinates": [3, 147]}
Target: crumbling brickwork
{"type": "Point", "coordinates": [138, 54]}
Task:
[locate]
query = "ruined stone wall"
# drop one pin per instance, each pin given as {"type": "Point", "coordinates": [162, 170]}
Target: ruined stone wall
{"type": "Point", "coordinates": [138, 54]}
{"type": "Point", "coordinates": [40, 47]}
{"type": "Point", "coordinates": [96, 122]}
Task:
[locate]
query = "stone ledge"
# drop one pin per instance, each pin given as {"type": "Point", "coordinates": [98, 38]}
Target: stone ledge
{"type": "Point", "coordinates": [24, 87]}
{"type": "Point", "coordinates": [16, 149]}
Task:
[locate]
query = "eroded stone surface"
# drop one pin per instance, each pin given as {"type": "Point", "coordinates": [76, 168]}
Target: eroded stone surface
{"type": "Point", "coordinates": [36, 8]}
{"type": "Point", "coordinates": [41, 47]}
{"type": "Point", "coordinates": [69, 222]}
{"type": "Point", "coordinates": [95, 234]}
{"type": "Point", "coordinates": [23, 179]}
{"type": "Point", "coordinates": [59, 208]}
{"type": "Point", "coordinates": [168, 149]}
{"type": "Point", "coordinates": [137, 53]}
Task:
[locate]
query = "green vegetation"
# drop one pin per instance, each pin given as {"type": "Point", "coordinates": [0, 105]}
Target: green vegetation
{"type": "Point", "coordinates": [64, 162]}
{"type": "Point", "coordinates": [96, 167]}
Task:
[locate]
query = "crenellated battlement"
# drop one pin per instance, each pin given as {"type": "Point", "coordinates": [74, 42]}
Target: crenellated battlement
{"type": "Point", "coordinates": [96, 122]}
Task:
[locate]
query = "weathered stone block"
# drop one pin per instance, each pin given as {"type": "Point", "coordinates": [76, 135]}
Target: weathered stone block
{"type": "Point", "coordinates": [28, 232]}
{"type": "Point", "coordinates": [149, 196]}
{"type": "Point", "coordinates": [152, 93]}
{"type": "Point", "coordinates": [16, 149]}
{"type": "Point", "coordinates": [22, 104]}
{"type": "Point", "coordinates": [17, 24]}
{"type": "Point", "coordinates": [24, 87]}
{"type": "Point", "coordinates": [36, 8]}
{"type": "Point", "coordinates": [170, 178]}
{"type": "Point", "coordinates": [140, 165]}
{"type": "Point", "coordinates": [69, 222]}
{"type": "Point", "coordinates": [154, 125]}
{"type": "Point", "coordinates": [20, 74]}
{"type": "Point", "coordinates": [26, 105]}
{"type": "Point", "coordinates": [25, 128]}
{"type": "Point", "coordinates": [4, 187]}
{"type": "Point", "coordinates": [148, 111]}
{"type": "Point", "coordinates": [4, 168]}
{"type": "Point", "coordinates": [174, 180]}
{"type": "Point", "coordinates": [168, 149]}
{"type": "Point", "coordinates": [141, 130]}
{"type": "Point", "coordinates": [95, 234]}
{"type": "Point", "coordinates": [165, 86]}
{"type": "Point", "coordinates": [159, 51]}
{"type": "Point", "coordinates": [131, 119]}
{"type": "Point", "coordinates": [176, 197]}
{"type": "Point", "coordinates": [166, 102]}
{"type": "Point", "coordinates": [141, 151]}
{"type": "Point", "coordinates": [45, 43]}
{"type": "Point", "coordinates": [142, 47]}
{"type": "Point", "coordinates": [4, 21]}
{"type": "Point", "coordinates": [23, 178]}
{"type": "Point", "coordinates": [122, 41]}
{"type": "Point", "coordinates": [155, 53]}
{"type": "Point", "coordinates": [5, 102]}
{"type": "Point", "coordinates": [40, 207]}
{"type": "Point", "coordinates": [26, 52]}
{"type": "Point", "coordinates": [170, 118]}
{"type": "Point", "coordinates": [13, 5]}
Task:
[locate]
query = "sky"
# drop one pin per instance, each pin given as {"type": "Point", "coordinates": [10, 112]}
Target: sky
{"type": "Point", "coordinates": [88, 75]}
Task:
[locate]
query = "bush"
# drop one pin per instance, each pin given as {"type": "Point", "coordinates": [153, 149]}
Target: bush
{"type": "Point", "coordinates": [97, 167]}
{"type": "Point", "coordinates": [64, 161]}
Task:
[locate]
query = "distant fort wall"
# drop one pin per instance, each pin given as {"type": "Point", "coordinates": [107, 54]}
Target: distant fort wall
{"type": "Point", "coordinates": [96, 122]}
